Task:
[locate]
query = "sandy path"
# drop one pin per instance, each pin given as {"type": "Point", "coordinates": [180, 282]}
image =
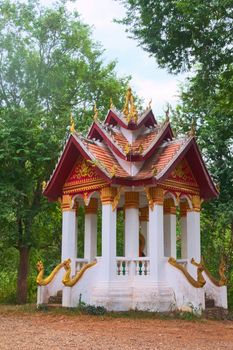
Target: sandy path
{"type": "Point", "coordinates": [31, 331]}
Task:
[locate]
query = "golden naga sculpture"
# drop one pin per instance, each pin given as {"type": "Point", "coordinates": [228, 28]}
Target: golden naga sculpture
{"type": "Point", "coordinates": [199, 283]}
{"type": "Point", "coordinates": [222, 269]}
{"type": "Point", "coordinates": [40, 280]}
{"type": "Point", "coordinates": [129, 109]}
{"type": "Point", "coordinates": [70, 282]}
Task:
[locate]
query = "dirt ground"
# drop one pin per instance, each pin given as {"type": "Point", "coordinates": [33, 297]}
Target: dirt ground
{"type": "Point", "coordinates": [39, 330]}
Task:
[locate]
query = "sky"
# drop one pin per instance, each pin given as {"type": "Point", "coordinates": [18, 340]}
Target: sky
{"type": "Point", "coordinates": [148, 81]}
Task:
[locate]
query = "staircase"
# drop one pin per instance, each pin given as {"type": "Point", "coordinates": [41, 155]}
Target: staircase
{"type": "Point", "coordinates": [56, 300]}
{"type": "Point", "coordinates": [213, 312]}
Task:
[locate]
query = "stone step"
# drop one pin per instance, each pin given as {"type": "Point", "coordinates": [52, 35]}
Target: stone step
{"type": "Point", "coordinates": [216, 313]}
{"type": "Point", "coordinates": [209, 303]}
{"type": "Point", "coordinates": [56, 299]}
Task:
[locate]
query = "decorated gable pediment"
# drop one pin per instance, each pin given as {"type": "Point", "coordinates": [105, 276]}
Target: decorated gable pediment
{"type": "Point", "coordinates": [182, 177]}
{"type": "Point", "coordinates": [83, 178]}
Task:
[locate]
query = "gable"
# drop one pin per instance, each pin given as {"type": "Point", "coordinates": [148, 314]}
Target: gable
{"type": "Point", "coordinates": [182, 177]}
{"type": "Point", "coordinates": [83, 178]}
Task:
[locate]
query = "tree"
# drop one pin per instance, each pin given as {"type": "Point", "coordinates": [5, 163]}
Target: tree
{"type": "Point", "coordinates": [212, 109]}
{"type": "Point", "coordinates": [196, 36]}
{"type": "Point", "coordinates": [182, 33]}
{"type": "Point", "coordinates": [49, 66]}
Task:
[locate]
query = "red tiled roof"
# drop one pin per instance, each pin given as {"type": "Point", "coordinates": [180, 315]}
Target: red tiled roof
{"type": "Point", "coordinates": [144, 140]}
{"type": "Point", "coordinates": [159, 160]}
{"type": "Point", "coordinates": [105, 156]}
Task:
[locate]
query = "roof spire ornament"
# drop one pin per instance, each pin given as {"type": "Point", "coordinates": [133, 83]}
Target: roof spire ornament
{"type": "Point", "coordinates": [129, 109]}
{"type": "Point", "coordinates": [167, 119]}
{"type": "Point", "coordinates": [72, 125]}
{"type": "Point", "coordinates": [96, 113]}
{"type": "Point", "coordinates": [149, 104]}
{"type": "Point", "coordinates": [192, 131]}
{"type": "Point", "coordinates": [43, 185]}
{"type": "Point", "coordinates": [111, 103]}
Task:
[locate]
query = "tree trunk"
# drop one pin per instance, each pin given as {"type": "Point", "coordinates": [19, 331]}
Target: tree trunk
{"type": "Point", "coordinates": [22, 274]}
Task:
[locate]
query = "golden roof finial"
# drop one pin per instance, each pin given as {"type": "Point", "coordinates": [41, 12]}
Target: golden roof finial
{"type": "Point", "coordinates": [43, 184]}
{"type": "Point", "coordinates": [167, 113]}
{"type": "Point", "coordinates": [129, 109]}
{"type": "Point", "coordinates": [149, 104]}
{"type": "Point", "coordinates": [192, 131]}
{"type": "Point", "coordinates": [95, 116]}
{"type": "Point", "coordinates": [111, 104]}
{"type": "Point", "coordinates": [72, 126]}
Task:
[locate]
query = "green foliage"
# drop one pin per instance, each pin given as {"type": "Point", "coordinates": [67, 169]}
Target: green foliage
{"type": "Point", "coordinates": [49, 66]}
{"type": "Point", "coordinates": [181, 33]}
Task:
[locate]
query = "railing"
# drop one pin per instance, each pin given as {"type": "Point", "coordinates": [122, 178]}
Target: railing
{"type": "Point", "coordinates": [123, 265]}
{"type": "Point", "coordinates": [142, 266]}
{"type": "Point", "coordinates": [136, 266]}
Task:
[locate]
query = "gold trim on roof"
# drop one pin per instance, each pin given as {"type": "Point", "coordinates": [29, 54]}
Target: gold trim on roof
{"type": "Point", "coordinates": [129, 109]}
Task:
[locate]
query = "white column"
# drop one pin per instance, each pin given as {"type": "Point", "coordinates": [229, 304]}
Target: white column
{"type": "Point", "coordinates": [69, 231]}
{"type": "Point", "coordinates": [156, 235]}
{"type": "Point", "coordinates": [108, 260]}
{"type": "Point", "coordinates": [90, 239]}
{"type": "Point", "coordinates": [183, 229]}
{"type": "Point", "coordinates": [193, 236]}
{"type": "Point", "coordinates": [144, 216]}
{"type": "Point", "coordinates": [131, 225]}
{"type": "Point", "coordinates": [170, 235]}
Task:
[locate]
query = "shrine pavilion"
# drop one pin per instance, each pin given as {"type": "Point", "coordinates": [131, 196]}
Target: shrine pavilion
{"type": "Point", "coordinates": [134, 165]}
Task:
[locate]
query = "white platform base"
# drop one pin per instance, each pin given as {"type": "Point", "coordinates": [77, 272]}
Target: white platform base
{"type": "Point", "coordinates": [148, 296]}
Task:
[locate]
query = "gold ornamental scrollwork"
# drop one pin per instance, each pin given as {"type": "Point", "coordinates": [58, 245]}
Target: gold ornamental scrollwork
{"type": "Point", "coordinates": [155, 195]}
{"type": "Point", "coordinates": [70, 282]}
{"type": "Point", "coordinates": [199, 283]}
{"type": "Point", "coordinates": [40, 280]}
{"type": "Point", "coordinates": [117, 198]}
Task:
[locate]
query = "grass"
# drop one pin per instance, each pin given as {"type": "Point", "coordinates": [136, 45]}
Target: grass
{"type": "Point", "coordinates": [144, 315]}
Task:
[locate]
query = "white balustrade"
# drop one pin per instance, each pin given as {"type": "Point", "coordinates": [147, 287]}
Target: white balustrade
{"type": "Point", "coordinates": [137, 266]}
{"type": "Point", "coordinates": [122, 265]}
{"type": "Point", "coordinates": [142, 266]}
